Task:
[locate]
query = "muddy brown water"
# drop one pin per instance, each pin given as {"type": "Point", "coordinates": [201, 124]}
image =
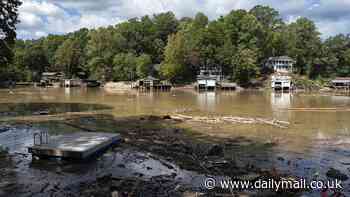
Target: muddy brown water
{"type": "Point", "coordinates": [314, 142]}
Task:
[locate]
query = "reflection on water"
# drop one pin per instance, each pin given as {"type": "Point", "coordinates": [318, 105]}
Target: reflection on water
{"type": "Point", "coordinates": [67, 92]}
{"type": "Point", "coordinates": [280, 102]}
{"type": "Point", "coordinates": [27, 109]}
{"type": "Point", "coordinates": [207, 101]}
{"type": "Point", "coordinates": [314, 141]}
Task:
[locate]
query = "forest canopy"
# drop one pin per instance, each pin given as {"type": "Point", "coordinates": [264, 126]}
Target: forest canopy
{"type": "Point", "coordinates": [174, 49]}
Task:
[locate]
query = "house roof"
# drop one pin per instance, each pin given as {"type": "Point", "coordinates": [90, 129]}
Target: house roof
{"type": "Point", "coordinates": [149, 78]}
{"type": "Point", "coordinates": [206, 77]}
{"type": "Point", "coordinates": [341, 80]}
{"type": "Point", "coordinates": [51, 73]}
{"type": "Point", "coordinates": [281, 58]}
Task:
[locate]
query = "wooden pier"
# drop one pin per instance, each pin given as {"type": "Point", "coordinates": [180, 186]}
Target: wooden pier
{"type": "Point", "coordinates": [79, 145]}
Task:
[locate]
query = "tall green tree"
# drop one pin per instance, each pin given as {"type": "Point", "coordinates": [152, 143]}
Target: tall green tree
{"type": "Point", "coordinates": [124, 67]}
{"type": "Point", "coordinates": [173, 67]}
{"type": "Point", "coordinates": [269, 37]}
{"type": "Point", "coordinates": [165, 25]}
{"type": "Point", "coordinates": [69, 57]}
{"type": "Point", "coordinates": [50, 44]}
{"type": "Point", "coordinates": [304, 44]}
{"type": "Point", "coordinates": [36, 60]}
{"type": "Point", "coordinates": [245, 65]}
{"type": "Point", "coordinates": [103, 45]}
{"type": "Point", "coordinates": [144, 66]}
{"type": "Point", "coordinates": [8, 21]}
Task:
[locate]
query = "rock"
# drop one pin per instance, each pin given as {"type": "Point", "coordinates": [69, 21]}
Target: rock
{"type": "Point", "coordinates": [345, 162]}
{"type": "Point", "coordinates": [280, 159]}
{"type": "Point", "coordinates": [192, 194]}
{"type": "Point", "coordinates": [167, 117]}
{"type": "Point", "coordinates": [6, 184]}
{"type": "Point", "coordinates": [115, 194]}
{"type": "Point", "coordinates": [336, 174]}
{"type": "Point", "coordinates": [215, 150]}
{"type": "Point", "coordinates": [121, 165]}
{"type": "Point", "coordinates": [4, 129]}
{"type": "Point", "coordinates": [44, 112]}
{"type": "Point", "coordinates": [59, 171]}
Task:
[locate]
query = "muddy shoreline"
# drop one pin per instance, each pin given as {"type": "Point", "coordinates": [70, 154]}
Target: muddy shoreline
{"type": "Point", "coordinates": [156, 158]}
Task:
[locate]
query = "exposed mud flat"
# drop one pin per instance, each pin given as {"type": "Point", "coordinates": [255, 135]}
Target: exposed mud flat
{"type": "Point", "coordinates": [156, 158]}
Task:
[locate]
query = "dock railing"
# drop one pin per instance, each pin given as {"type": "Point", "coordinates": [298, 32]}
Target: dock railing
{"type": "Point", "coordinates": [43, 138]}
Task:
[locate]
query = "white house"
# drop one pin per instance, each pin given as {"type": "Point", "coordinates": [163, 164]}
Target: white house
{"type": "Point", "coordinates": [282, 64]}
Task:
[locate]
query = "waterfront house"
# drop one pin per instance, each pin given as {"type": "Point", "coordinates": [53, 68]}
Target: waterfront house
{"type": "Point", "coordinates": [51, 78]}
{"type": "Point", "coordinates": [281, 64]}
{"type": "Point", "coordinates": [209, 77]}
{"type": "Point", "coordinates": [282, 67]}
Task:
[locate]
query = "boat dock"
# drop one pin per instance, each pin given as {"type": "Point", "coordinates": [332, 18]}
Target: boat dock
{"type": "Point", "coordinates": [79, 145]}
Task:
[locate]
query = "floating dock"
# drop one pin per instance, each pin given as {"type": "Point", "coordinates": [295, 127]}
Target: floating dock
{"type": "Point", "coordinates": [79, 145]}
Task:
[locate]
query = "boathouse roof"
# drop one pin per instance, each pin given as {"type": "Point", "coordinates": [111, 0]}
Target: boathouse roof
{"type": "Point", "coordinates": [149, 78]}
{"type": "Point", "coordinates": [281, 58]}
{"type": "Point", "coordinates": [51, 73]}
{"type": "Point", "coordinates": [341, 80]}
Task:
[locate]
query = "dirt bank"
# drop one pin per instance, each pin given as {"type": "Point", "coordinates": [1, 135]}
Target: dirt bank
{"type": "Point", "coordinates": [170, 156]}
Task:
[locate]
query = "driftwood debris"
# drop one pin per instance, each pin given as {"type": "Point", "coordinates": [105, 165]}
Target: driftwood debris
{"type": "Point", "coordinates": [319, 109]}
{"type": "Point", "coordinates": [232, 119]}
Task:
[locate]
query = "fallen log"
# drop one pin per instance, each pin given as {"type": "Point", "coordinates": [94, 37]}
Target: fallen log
{"type": "Point", "coordinates": [232, 119]}
{"type": "Point", "coordinates": [319, 109]}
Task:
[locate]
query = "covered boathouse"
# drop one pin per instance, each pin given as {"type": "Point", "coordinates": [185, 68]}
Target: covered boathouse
{"type": "Point", "coordinates": [152, 83]}
{"type": "Point", "coordinates": [281, 82]}
{"type": "Point", "coordinates": [341, 83]}
{"type": "Point", "coordinates": [209, 77]}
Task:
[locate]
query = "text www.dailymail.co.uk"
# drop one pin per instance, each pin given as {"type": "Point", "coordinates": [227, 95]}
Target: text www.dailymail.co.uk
{"type": "Point", "coordinates": [277, 185]}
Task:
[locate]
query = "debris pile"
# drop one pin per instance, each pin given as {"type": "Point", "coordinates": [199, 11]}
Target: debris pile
{"type": "Point", "coordinates": [233, 120]}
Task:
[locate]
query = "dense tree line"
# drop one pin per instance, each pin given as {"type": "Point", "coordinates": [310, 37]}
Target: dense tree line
{"type": "Point", "coordinates": [8, 21]}
{"type": "Point", "coordinates": [175, 49]}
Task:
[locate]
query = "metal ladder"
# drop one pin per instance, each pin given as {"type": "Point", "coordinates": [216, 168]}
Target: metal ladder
{"type": "Point", "coordinates": [43, 138]}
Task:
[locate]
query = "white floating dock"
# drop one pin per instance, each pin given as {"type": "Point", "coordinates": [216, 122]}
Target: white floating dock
{"type": "Point", "coordinates": [79, 145]}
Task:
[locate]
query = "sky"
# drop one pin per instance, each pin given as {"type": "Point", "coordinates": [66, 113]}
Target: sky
{"type": "Point", "coordinates": [42, 17]}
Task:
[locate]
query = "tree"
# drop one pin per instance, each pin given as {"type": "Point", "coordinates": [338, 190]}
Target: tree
{"type": "Point", "coordinates": [143, 65]}
{"type": "Point", "coordinates": [35, 60]}
{"type": "Point", "coordinates": [268, 17]}
{"type": "Point", "coordinates": [269, 38]}
{"type": "Point", "coordinates": [8, 21]}
{"type": "Point", "coordinates": [103, 45]}
{"type": "Point", "coordinates": [165, 25]}
{"type": "Point", "coordinates": [124, 67]}
{"type": "Point", "coordinates": [50, 44]}
{"type": "Point", "coordinates": [69, 57]}
{"type": "Point", "coordinates": [304, 44]}
{"type": "Point", "coordinates": [245, 66]}
{"type": "Point", "coordinates": [344, 70]}
{"type": "Point", "coordinates": [200, 20]}
{"type": "Point", "coordinates": [173, 67]}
